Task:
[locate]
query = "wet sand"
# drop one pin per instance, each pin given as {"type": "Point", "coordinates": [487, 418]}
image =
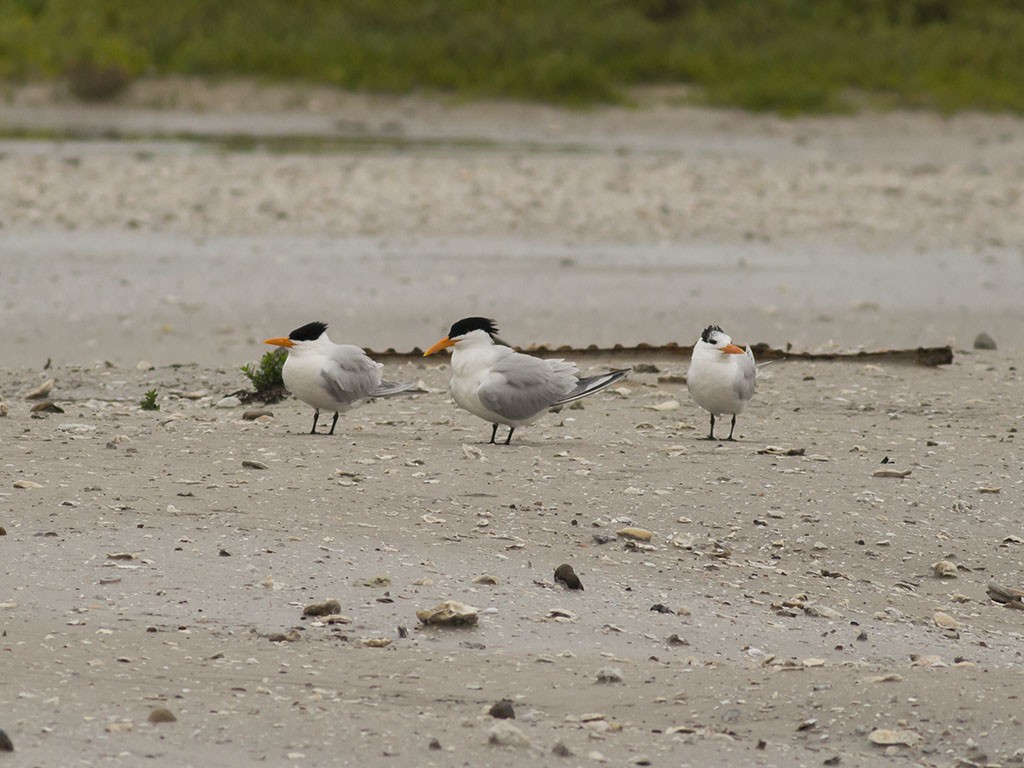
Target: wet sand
{"type": "Point", "coordinates": [802, 603]}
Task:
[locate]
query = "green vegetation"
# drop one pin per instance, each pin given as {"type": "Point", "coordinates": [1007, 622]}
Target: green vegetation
{"type": "Point", "coordinates": [266, 377]}
{"type": "Point", "coordinates": [149, 402]}
{"type": "Point", "coordinates": [783, 55]}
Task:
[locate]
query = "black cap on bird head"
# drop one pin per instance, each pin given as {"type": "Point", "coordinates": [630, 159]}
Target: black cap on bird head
{"type": "Point", "coordinates": [706, 335]}
{"type": "Point", "coordinates": [308, 332]}
{"type": "Point", "coordinates": [467, 324]}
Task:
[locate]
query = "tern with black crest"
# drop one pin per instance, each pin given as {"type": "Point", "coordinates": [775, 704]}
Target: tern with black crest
{"type": "Point", "coordinates": [722, 376]}
{"type": "Point", "coordinates": [503, 386]}
{"type": "Point", "coordinates": [329, 376]}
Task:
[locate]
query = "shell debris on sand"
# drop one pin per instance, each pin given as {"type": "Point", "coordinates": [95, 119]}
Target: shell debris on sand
{"type": "Point", "coordinates": [450, 613]}
{"type": "Point", "coordinates": [636, 534]}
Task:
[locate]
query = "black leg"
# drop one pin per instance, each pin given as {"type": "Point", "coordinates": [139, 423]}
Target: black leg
{"type": "Point", "coordinates": [494, 431]}
{"type": "Point", "coordinates": [732, 427]}
{"type": "Point", "coordinates": [711, 436]}
{"type": "Point", "coordinates": [509, 438]}
{"type": "Point", "coordinates": [336, 421]}
{"type": "Point", "coordinates": [316, 415]}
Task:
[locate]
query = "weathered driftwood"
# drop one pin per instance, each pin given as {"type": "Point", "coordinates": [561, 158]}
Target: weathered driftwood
{"type": "Point", "coordinates": [928, 356]}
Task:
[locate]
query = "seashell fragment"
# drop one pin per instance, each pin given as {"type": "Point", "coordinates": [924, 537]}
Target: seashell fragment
{"type": "Point", "coordinates": [885, 737]}
{"type": "Point", "coordinates": [944, 569]}
{"type": "Point", "coordinates": [450, 613]}
{"type": "Point", "coordinates": [638, 534]}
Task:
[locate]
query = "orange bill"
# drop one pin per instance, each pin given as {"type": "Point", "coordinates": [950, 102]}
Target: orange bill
{"type": "Point", "coordinates": [442, 344]}
{"type": "Point", "coordinates": [732, 349]}
{"type": "Point", "coordinates": [281, 341]}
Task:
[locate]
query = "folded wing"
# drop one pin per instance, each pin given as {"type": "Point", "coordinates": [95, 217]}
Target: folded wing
{"type": "Point", "coordinates": [520, 386]}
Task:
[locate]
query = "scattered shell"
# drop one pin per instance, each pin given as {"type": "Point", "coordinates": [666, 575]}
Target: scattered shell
{"type": "Point", "coordinates": [885, 737]}
{"type": "Point", "coordinates": [46, 406]}
{"type": "Point", "coordinates": [162, 715]}
{"type": "Point", "coordinates": [473, 452]}
{"type": "Point", "coordinates": [3, 409]}
{"type": "Point", "coordinates": [228, 402]}
{"type": "Point", "coordinates": [41, 391]}
{"type": "Point", "coordinates": [891, 473]}
{"type": "Point", "coordinates": [821, 611]}
{"type": "Point", "coordinates": [487, 579]}
{"type": "Point", "coordinates": [326, 608]}
{"type": "Point", "coordinates": [256, 413]}
{"type": "Point", "coordinates": [76, 429]}
{"type": "Point", "coordinates": [944, 621]}
{"type": "Point", "coordinates": [669, 405]}
{"type": "Point", "coordinates": [377, 642]}
{"type": "Point", "coordinates": [945, 569]}
{"type": "Point", "coordinates": [637, 534]}
{"type": "Point", "coordinates": [284, 637]}
{"type": "Point", "coordinates": [122, 556]}
{"type": "Point", "coordinates": [778, 450]}
{"type": "Point", "coordinates": [560, 614]}
{"type": "Point", "coordinates": [609, 675]}
{"type": "Point", "coordinates": [450, 613]}
{"type": "Point", "coordinates": [566, 576]}
{"type": "Point", "coordinates": [505, 734]}
{"type": "Point", "coordinates": [380, 580]}
{"type": "Point", "coordinates": [891, 677]}
{"type": "Point", "coordinates": [1011, 598]}
{"type": "Point", "coordinates": [252, 464]}
{"type": "Point", "coordinates": [26, 484]}
{"type": "Point", "coordinates": [502, 710]}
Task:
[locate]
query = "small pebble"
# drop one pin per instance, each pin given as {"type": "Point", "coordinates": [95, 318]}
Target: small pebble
{"type": "Point", "coordinates": [256, 413]}
{"type": "Point", "coordinates": [609, 675]}
{"type": "Point", "coordinates": [326, 608]}
{"type": "Point", "coordinates": [228, 402]}
{"type": "Point", "coordinates": [251, 464]}
{"type": "Point", "coordinates": [566, 576]}
{"type": "Point", "coordinates": [984, 341]}
{"type": "Point", "coordinates": [503, 710]}
{"type": "Point", "coordinates": [162, 715]}
{"type": "Point", "coordinates": [5, 742]}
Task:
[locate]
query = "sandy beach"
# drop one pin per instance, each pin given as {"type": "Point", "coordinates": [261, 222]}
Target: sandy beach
{"type": "Point", "coordinates": [798, 603]}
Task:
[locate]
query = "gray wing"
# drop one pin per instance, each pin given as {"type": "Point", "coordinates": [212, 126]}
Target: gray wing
{"type": "Point", "coordinates": [350, 374]}
{"type": "Point", "coordinates": [520, 386]}
{"type": "Point", "coordinates": [746, 382]}
{"type": "Point", "coordinates": [391, 388]}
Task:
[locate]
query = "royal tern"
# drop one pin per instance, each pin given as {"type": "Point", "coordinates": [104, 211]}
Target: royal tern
{"type": "Point", "coordinates": [721, 377]}
{"type": "Point", "coordinates": [330, 376]}
{"type": "Point", "coordinates": [503, 386]}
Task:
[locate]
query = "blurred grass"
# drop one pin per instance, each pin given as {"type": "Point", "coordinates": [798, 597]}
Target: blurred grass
{"type": "Point", "coordinates": [790, 56]}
